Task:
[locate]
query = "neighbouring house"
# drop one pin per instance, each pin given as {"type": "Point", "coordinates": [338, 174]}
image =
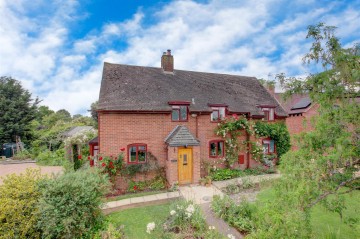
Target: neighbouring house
{"type": "Point", "coordinates": [173, 114]}
{"type": "Point", "coordinates": [300, 110]}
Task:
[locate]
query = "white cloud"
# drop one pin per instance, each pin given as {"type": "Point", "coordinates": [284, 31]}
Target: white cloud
{"type": "Point", "coordinates": [255, 38]}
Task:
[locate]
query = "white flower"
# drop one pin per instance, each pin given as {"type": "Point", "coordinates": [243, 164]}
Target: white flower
{"type": "Point", "coordinates": [150, 227]}
{"type": "Point", "coordinates": [190, 208]}
{"type": "Point", "coordinates": [211, 227]}
{"type": "Point", "coordinates": [231, 236]}
{"type": "Point", "coordinates": [172, 212]}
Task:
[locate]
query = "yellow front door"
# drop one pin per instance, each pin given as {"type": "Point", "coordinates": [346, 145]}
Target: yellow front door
{"type": "Point", "coordinates": [185, 165]}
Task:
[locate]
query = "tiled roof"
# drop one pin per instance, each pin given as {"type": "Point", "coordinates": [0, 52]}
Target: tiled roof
{"type": "Point", "coordinates": [138, 88]}
{"type": "Point", "coordinates": [75, 130]}
{"type": "Point", "coordinates": [181, 136]}
{"type": "Point", "coordinates": [297, 103]}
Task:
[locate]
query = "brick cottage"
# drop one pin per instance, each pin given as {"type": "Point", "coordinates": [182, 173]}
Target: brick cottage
{"type": "Point", "coordinates": [173, 114]}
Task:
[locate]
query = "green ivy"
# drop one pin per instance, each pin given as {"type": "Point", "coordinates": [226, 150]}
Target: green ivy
{"type": "Point", "coordinates": [277, 132]}
{"type": "Point", "coordinates": [231, 128]}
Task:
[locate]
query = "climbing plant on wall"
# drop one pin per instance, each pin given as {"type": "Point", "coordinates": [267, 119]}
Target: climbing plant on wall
{"type": "Point", "coordinates": [277, 132]}
{"type": "Point", "coordinates": [233, 127]}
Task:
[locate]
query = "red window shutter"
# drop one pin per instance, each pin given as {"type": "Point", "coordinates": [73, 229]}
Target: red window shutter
{"type": "Point", "coordinates": [241, 159]}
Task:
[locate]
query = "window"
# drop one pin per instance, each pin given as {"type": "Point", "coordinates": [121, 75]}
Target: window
{"type": "Point", "coordinates": [216, 149]}
{"type": "Point", "coordinates": [137, 153]}
{"type": "Point", "coordinates": [218, 113]}
{"type": "Point", "coordinates": [179, 113]}
{"type": "Point", "coordinates": [268, 146]}
{"type": "Point", "coordinates": [268, 114]}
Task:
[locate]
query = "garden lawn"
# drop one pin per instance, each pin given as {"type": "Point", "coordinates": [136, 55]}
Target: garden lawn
{"type": "Point", "coordinates": [135, 220]}
{"type": "Point", "coordinates": [323, 222]}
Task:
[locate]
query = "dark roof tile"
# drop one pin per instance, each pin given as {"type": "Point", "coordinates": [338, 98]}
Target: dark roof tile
{"type": "Point", "coordinates": [138, 88]}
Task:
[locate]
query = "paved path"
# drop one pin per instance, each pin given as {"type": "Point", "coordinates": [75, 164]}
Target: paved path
{"type": "Point", "coordinates": [18, 168]}
{"type": "Point", "coordinates": [159, 198]}
{"type": "Point", "coordinates": [203, 196]}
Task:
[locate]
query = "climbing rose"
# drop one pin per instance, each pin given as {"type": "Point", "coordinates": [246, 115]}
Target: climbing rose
{"type": "Point", "coordinates": [100, 158]}
{"type": "Point", "coordinates": [103, 164]}
{"type": "Point", "coordinates": [88, 157]}
{"type": "Point", "coordinates": [79, 157]}
{"type": "Point", "coordinates": [135, 187]}
{"type": "Point", "coordinates": [122, 149]}
{"type": "Point", "coordinates": [111, 165]}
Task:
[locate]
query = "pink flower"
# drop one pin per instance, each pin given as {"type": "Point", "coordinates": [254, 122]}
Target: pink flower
{"type": "Point", "coordinates": [235, 116]}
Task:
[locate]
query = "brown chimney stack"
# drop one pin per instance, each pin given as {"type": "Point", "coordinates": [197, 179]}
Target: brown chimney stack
{"type": "Point", "coordinates": [167, 62]}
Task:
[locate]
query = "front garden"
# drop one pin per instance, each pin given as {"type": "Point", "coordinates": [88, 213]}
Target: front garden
{"type": "Point", "coordinates": [247, 215]}
{"type": "Point", "coordinates": [179, 219]}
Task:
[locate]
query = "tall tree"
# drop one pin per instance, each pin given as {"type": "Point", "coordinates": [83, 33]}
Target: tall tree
{"type": "Point", "coordinates": [327, 162]}
{"type": "Point", "coordinates": [17, 110]}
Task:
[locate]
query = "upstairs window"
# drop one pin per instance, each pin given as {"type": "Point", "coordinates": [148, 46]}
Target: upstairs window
{"type": "Point", "coordinates": [268, 146]}
{"type": "Point", "coordinates": [218, 113]}
{"type": "Point", "coordinates": [179, 113]}
{"type": "Point", "coordinates": [137, 153]}
{"type": "Point", "coordinates": [268, 114]}
{"type": "Point", "coordinates": [216, 149]}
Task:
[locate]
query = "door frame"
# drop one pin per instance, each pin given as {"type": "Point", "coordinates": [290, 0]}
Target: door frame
{"type": "Point", "coordinates": [191, 166]}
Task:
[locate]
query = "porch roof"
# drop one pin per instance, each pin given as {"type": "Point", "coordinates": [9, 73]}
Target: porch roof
{"type": "Point", "coordinates": [181, 136]}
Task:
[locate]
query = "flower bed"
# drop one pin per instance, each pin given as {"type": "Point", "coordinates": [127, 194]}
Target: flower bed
{"type": "Point", "coordinates": [227, 173]}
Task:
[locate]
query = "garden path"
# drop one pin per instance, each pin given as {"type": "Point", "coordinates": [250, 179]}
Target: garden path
{"type": "Point", "coordinates": [203, 196]}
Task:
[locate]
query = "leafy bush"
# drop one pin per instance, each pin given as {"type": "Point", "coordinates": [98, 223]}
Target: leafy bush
{"type": "Point", "coordinates": [239, 216]}
{"type": "Point", "coordinates": [157, 183]}
{"type": "Point", "coordinates": [19, 196]}
{"type": "Point", "coordinates": [22, 155]}
{"type": "Point", "coordinates": [226, 173]}
{"type": "Point", "coordinates": [51, 158]}
{"type": "Point", "coordinates": [70, 204]}
{"type": "Point", "coordinates": [185, 221]}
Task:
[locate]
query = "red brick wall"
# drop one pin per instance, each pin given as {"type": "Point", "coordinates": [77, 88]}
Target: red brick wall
{"type": "Point", "coordinates": [301, 123]}
{"type": "Point", "coordinates": [117, 131]}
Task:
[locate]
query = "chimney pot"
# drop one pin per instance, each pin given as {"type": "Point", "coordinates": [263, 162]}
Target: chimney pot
{"type": "Point", "coordinates": [167, 62]}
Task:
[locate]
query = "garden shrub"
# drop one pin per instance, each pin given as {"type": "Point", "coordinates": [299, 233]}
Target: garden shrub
{"type": "Point", "coordinates": [158, 183]}
{"type": "Point", "coordinates": [70, 204]}
{"type": "Point", "coordinates": [19, 196]}
{"type": "Point", "coordinates": [185, 221]}
{"type": "Point", "coordinates": [227, 173]}
{"type": "Point", "coordinates": [239, 216]}
{"type": "Point", "coordinates": [51, 158]}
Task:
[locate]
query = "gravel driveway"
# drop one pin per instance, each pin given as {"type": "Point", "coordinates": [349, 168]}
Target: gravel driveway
{"type": "Point", "coordinates": [18, 168]}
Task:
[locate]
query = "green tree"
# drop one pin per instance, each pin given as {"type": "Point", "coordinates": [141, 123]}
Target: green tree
{"type": "Point", "coordinates": [328, 159]}
{"type": "Point", "coordinates": [94, 113]}
{"type": "Point", "coordinates": [17, 109]}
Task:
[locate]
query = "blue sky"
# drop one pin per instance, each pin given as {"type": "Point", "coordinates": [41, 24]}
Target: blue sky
{"type": "Point", "coordinates": [57, 48]}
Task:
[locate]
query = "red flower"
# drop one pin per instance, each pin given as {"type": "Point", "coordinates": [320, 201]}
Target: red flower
{"type": "Point", "coordinates": [111, 156]}
{"type": "Point", "coordinates": [103, 164]}
{"type": "Point", "coordinates": [115, 158]}
{"type": "Point", "coordinates": [235, 116]}
{"type": "Point", "coordinates": [135, 187]}
{"type": "Point", "coordinates": [111, 165]}
{"type": "Point", "coordinates": [88, 157]}
{"type": "Point", "coordinates": [79, 157]}
{"type": "Point", "coordinates": [122, 149]}
{"type": "Point", "coordinates": [100, 158]}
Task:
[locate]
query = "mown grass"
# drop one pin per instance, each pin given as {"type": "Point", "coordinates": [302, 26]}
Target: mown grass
{"type": "Point", "coordinates": [135, 220]}
{"type": "Point", "coordinates": [325, 222]}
